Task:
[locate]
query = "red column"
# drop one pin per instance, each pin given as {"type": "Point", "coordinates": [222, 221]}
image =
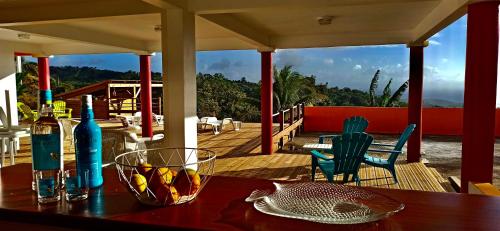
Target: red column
{"type": "Point", "coordinates": [480, 93]}
{"type": "Point", "coordinates": [266, 102]}
{"type": "Point", "coordinates": [45, 95]}
{"type": "Point", "coordinates": [415, 101]}
{"type": "Point", "coordinates": [146, 96]}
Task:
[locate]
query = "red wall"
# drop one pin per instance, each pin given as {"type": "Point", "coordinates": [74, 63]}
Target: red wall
{"type": "Point", "coordinates": [435, 121]}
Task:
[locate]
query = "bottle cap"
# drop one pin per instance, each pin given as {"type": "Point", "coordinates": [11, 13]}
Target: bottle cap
{"type": "Point", "coordinates": [87, 101]}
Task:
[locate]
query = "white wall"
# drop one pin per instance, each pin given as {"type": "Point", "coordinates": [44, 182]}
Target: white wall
{"type": "Point", "coordinates": [8, 72]}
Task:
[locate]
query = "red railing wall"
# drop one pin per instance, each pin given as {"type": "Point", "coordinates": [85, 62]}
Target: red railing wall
{"type": "Point", "coordinates": [383, 120]}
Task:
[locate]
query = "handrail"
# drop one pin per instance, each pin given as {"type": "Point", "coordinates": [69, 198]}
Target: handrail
{"type": "Point", "coordinates": [117, 104]}
{"type": "Point", "coordinates": [291, 116]}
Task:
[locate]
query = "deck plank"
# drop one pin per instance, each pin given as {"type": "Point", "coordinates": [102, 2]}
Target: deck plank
{"type": "Point", "coordinates": [238, 154]}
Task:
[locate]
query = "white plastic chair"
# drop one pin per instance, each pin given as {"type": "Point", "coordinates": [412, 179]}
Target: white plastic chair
{"type": "Point", "coordinates": [69, 126]}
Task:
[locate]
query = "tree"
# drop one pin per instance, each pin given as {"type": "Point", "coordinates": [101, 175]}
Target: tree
{"type": "Point", "coordinates": [373, 88]}
{"type": "Point", "coordinates": [291, 88]}
{"type": "Point", "coordinates": [386, 100]}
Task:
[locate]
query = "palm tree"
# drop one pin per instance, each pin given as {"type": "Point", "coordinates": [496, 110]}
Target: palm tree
{"type": "Point", "coordinates": [373, 87]}
{"type": "Point", "coordinates": [386, 100]}
{"type": "Point", "coordinates": [286, 87]}
{"type": "Point", "coordinates": [290, 88]}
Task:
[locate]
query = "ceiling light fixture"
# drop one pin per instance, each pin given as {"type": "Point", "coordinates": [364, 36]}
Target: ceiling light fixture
{"type": "Point", "coordinates": [23, 36]}
{"type": "Point", "coordinates": [325, 20]}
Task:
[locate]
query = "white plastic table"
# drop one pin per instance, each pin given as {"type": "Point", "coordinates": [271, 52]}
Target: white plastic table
{"type": "Point", "coordinates": [11, 138]}
{"type": "Point", "coordinates": [315, 146]}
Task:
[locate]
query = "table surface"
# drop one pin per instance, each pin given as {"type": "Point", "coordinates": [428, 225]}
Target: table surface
{"type": "Point", "coordinates": [317, 146]}
{"type": "Point", "coordinates": [221, 206]}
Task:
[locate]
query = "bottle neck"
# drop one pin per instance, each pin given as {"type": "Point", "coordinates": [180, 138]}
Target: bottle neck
{"type": "Point", "coordinates": [46, 111]}
{"type": "Point", "coordinates": [87, 113]}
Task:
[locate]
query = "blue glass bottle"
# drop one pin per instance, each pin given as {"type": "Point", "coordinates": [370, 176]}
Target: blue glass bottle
{"type": "Point", "coordinates": [88, 143]}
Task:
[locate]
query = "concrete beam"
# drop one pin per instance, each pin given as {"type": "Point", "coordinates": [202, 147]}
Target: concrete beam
{"type": "Point", "coordinates": [332, 40]}
{"type": "Point", "coordinates": [447, 12]}
{"type": "Point", "coordinates": [247, 33]}
{"type": "Point", "coordinates": [73, 33]}
{"type": "Point", "coordinates": [40, 12]}
{"type": "Point", "coordinates": [231, 6]}
{"type": "Point", "coordinates": [168, 4]}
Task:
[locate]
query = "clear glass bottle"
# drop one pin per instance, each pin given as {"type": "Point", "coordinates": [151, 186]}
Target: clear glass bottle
{"type": "Point", "coordinates": [88, 143]}
{"type": "Point", "coordinates": [47, 150]}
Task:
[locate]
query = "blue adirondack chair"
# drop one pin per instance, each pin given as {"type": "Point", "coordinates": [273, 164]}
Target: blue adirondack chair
{"type": "Point", "coordinates": [393, 154]}
{"type": "Point", "coordinates": [351, 125]}
{"type": "Point", "coordinates": [348, 150]}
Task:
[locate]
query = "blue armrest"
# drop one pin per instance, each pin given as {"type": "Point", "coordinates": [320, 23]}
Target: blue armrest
{"type": "Point", "coordinates": [383, 145]}
{"type": "Point", "coordinates": [384, 151]}
{"type": "Point", "coordinates": [319, 155]}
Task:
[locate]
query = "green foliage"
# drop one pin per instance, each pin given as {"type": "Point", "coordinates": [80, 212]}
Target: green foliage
{"type": "Point", "coordinates": [291, 88]}
{"type": "Point", "coordinates": [220, 97]}
{"type": "Point", "coordinates": [373, 88]}
{"type": "Point", "coordinates": [386, 99]}
{"type": "Point", "coordinates": [27, 84]}
{"type": "Point", "coordinates": [395, 99]}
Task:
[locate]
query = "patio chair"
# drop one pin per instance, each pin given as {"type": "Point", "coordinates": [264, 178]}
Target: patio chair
{"type": "Point", "coordinates": [393, 154]}
{"type": "Point", "coordinates": [348, 150]}
{"type": "Point", "coordinates": [5, 126]}
{"type": "Point", "coordinates": [137, 119]}
{"type": "Point", "coordinates": [27, 113]}
{"type": "Point", "coordinates": [69, 126]}
{"type": "Point", "coordinates": [213, 122]}
{"type": "Point", "coordinates": [60, 110]}
{"type": "Point", "coordinates": [351, 125]}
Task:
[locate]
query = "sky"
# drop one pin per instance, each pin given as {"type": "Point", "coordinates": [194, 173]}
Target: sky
{"type": "Point", "coordinates": [353, 67]}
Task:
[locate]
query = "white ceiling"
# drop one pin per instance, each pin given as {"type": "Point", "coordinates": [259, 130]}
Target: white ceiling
{"type": "Point", "coordinates": [70, 26]}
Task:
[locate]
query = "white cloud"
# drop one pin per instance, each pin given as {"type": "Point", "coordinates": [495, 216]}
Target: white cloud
{"type": "Point", "coordinates": [347, 60]}
{"type": "Point", "coordinates": [436, 35]}
{"type": "Point", "coordinates": [399, 65]}
{"type": "Point", "coordinates": [434, 42]}
{"type": "Point", "coordinates": [357, 67]}
{"type": "Point", "coordinates": [289, 57]}
{"type": "Point", "coordinates": [444, 60]}
{"type": "Point", "coordinates": [328, 61]}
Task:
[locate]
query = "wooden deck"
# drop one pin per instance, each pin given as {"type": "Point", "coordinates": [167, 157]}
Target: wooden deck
{"type": "Point", "coordinates": [238, 154]}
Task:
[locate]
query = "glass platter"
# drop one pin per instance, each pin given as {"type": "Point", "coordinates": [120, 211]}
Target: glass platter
{"type": "Point", "coordinates": [324, 203]}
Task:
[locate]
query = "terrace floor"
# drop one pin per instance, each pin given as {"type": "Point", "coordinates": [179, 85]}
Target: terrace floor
{"type": "Point", "coordinates": [238, 154]}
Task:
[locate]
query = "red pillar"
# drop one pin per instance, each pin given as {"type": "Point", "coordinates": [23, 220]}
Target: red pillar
{"type": "Point", "coordinates": [146, 96]}
{"type": "Point", "coordinates": [266, 102]}
{"type": "Point", "coordinates": [415, 101]}
{"type": "Point", "coordinates": [45, 95]}
{"type": "Point", "coordinates": [480, 93]}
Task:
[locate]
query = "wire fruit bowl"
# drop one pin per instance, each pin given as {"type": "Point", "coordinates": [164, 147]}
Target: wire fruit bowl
{"type": "Point", "coordinates": [165, 176]}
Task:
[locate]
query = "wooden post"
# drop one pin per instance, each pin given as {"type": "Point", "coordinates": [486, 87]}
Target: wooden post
{"type": "Point", "coordinates": [266, 103]}
{"type": "Point", "coordinates": [480, 93]}
{"type": "Point", "coordinates": [290, 121]}
{"type": "Point", "coordinates": [146, 96]}
{"type": "Point", "coordinates": [281, 118]}
{"type": "Point", "coordinates": [415, 101]}
{"type": "Point", "coordinates": [160, 106]}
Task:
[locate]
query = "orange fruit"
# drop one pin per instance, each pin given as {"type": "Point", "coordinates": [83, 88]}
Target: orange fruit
{"type": "Point", "coordinates": [167, 194]}
{"type": "Point", "coordinates": [144, 168]}
{"type": "Point", "coordinates": [187, 182]}
{"type": "Point", "coordinates": [139, 182]}
{"type": "Point", "coordinates": [159, 176]}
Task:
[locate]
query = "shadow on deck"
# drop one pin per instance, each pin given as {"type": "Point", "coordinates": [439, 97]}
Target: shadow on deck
{"type": "Point", "coordinates": [238, 154]}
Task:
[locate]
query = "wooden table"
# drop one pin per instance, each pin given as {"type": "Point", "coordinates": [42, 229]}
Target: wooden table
{"type": "Point", "coordinates": [221, 206]}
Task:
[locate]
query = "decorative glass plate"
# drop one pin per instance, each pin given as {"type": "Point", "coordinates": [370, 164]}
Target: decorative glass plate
{"type": "Point", "coordinates": [324, 203]}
